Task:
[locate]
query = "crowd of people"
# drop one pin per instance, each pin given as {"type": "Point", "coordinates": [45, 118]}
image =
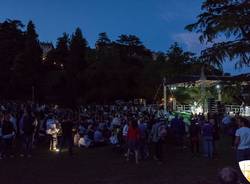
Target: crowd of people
{"type": "Point", "coordinates": [135, 130]}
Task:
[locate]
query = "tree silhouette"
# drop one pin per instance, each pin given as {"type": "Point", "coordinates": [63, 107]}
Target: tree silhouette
{"type": "Point", "coordinates": [177, 59]}
{"type": "Point", "coordinates": [74, 73]}
{"type": "Point", "coordinates": [103, 40]}
{"type": "Point", "coordinates": [76, 65]}
{"type": "Point", "coordinates": [228, 17]}
{"type": "Point", "coordinates": [78, 47]}
{"type": "Point", "coordinates": [11, 44]}
{"type": "Point", "coordinates": [58, 57]}
{"type": "Point", "coordinates": [27, 66]}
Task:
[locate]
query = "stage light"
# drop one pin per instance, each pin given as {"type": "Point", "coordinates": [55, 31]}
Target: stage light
{"type": "Point", "coordinates": [55, 150]}
{"type": "Point", "coordinates": [172, 88]}
{"type": "Point", "coordinates": [196, 109]}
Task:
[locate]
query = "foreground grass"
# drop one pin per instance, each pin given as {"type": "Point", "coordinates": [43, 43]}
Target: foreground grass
{"type": "Point", "coordinates": [103, 165]}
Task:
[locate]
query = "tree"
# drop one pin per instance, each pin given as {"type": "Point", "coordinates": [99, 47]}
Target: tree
{"type": "Point", "coordinates": [62, 47]}
{"type": "Point", "coordinates": [11, 44]}
{"type": "Point", "coordinates": [27, 65]}
{"type": "Point", "coordinates": [103, 40]}
{"type": "Point", "coordinates": [78, 47]}
{"type": "Point", "coordinates": [124, 69]}
{"type": "Point", "coordinates": [160, 57]}
{"type": "Point", "coordinates": [58, 57]}
{"type": "Point", "coordinates": [76, 66]}
{"type": "Point", "coordinates": [131, 46]}
{"type": "Point", "coordinates": [177, 59]}
{"type": "Point", "coordinates": [103, 47]}
{"type": "Point", "coordinates": [228, 17]}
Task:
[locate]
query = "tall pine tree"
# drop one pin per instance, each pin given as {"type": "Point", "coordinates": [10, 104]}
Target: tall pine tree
{"type": "Point", "coordinates": [78, 47]}
{"type": "Point", "coordinates": [11, 45]}
{"type": "Point", "coordinates": [27, 65]}
{"type": "Point", "coordinates": [62, 48]}
{"type": "Point", "coordinates": [60, 55]}
{"type": "Point", "coordinates": [76, 66]}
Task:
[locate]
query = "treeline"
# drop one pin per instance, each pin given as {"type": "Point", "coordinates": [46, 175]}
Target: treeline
{"type": "Point", "coordinates": [72, 72]}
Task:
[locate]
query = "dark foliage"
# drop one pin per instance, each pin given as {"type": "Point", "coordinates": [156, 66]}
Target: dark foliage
{"type": "Point", "coordinates": [228, 17]}
{"type": "Point", "coordinates": [74, 73]}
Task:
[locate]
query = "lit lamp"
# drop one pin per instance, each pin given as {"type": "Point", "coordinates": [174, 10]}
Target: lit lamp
{"type": "Point", "coordinates": [218, 87]}
{"type": "Point", "coordinates": [173, 88]}
{"type": "Point", "coordinates": [172, 99]}
{"type": "Point", "coordinates": [164, 95]}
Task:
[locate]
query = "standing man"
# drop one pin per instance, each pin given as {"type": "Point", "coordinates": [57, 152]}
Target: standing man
{"type": "Point", "coordinates": [226, 122]}
{"type": "Point", "coordinates": [52, 130]}
{"type": "Point", "coordinates": [27, 131]}
{"type": "Point", "coordinates": [242, 140]}
{"type": "Point", "coordinates": [133, 140]}
{"type": "Point", "coordinates": [67, 134]}
{"type": "Point", "coordinates": [207, 136]}
{"type": "Point", "coordinates": [8, 135]}
{"type": "Point", "coordinates": [143, 149]}
{"type": "Point", "coordinates": [158, 134]}
{"type": "Point", "coordinates": [194, 132]}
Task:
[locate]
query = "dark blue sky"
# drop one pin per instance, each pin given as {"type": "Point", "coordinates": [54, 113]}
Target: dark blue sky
{"type": "Point", "coordinates": [158, 23]}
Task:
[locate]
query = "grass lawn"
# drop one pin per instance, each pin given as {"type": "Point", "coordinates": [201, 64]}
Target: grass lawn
{"type": "Point", "coordinates": [103, 165]}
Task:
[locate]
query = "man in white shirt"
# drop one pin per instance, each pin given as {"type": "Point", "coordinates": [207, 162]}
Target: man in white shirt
{"type": "Point", "coordinates": [242, 141]}
{"type": "Point", "coordinates": [52, 131]}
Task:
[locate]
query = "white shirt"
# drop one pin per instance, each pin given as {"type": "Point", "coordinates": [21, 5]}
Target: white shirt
{"type": "Point", "coordinates": [244, 134]}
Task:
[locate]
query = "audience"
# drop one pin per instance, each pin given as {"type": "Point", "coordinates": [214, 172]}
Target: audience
{"type": "Point", "coordinates": [132, 128]}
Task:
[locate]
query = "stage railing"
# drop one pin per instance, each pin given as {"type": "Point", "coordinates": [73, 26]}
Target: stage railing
{"type": "Point", "coordinates": [228, 108]}
{"type": "Point", "coordinates": [183, 108]}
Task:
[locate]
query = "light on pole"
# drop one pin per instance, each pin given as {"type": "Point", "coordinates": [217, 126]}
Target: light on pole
{"type": "Point", "coordinates": [218, 87]}
{"type": "Point", "coordinates": [172, 99]}
{"type": "Point", "coordinates": [165, 94]}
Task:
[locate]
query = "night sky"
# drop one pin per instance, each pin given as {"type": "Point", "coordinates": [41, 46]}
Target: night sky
{"type": "Point", "coordinates": [158, 23]}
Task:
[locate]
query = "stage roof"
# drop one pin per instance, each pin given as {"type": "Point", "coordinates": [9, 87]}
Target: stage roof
{"type": "Point", "coordinates": [209, 80]}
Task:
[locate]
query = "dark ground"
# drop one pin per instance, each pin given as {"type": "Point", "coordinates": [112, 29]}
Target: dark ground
{"type": "Point", "coordinates": [103, 165]}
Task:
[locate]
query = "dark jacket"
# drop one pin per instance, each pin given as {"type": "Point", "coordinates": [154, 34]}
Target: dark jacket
{"type": "Point", "coordinates": [67, 127]}
{"type": "Point", "coordinates": [7, 128]}
{"type": "Point", "coordinates": [28, 125]}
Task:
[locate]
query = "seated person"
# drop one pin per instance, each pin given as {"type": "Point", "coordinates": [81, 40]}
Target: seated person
{"type": "Point", "coordinates": [81, 130]}
{"type": "Point", "coordinates": [85, 142]}
{"type": "Point", "coordinates": [98, 138]}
